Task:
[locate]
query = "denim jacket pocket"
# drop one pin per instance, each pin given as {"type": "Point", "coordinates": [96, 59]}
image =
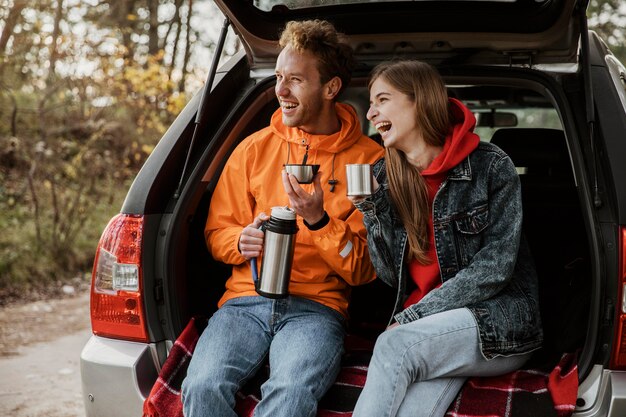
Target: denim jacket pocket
{"type": "Point", "coordinates": [468, 229]}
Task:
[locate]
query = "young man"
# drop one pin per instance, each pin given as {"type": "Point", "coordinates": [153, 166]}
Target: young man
{"type": "Point", "coordinates": [302, 334]}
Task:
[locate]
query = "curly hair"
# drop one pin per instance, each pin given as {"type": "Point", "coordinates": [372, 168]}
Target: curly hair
{"type": "Point", "coordinates": [320, 38]}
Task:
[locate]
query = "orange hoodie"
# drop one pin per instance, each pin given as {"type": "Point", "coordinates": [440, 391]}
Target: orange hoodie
{"type": "Point", "coordinates": [326, 261]}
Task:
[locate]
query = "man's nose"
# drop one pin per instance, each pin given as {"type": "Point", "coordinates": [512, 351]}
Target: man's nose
{"type": "Point", "coordinates": [281, 89]}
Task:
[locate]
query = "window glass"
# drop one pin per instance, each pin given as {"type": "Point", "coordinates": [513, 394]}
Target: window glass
{"type": "Point", "coordinates": [526, 118]}
{"type": "Point", "coordinates": [266, 5]}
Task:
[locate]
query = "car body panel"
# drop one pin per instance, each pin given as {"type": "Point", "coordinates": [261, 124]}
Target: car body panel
{"type": "Point", "coordinates": [117, 376]}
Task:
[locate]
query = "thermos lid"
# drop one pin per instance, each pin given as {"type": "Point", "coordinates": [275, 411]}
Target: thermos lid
{"type": "Point", "coordinates": [283, 213]}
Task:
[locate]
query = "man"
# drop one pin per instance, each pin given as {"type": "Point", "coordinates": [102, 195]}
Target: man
{"type": "Point", "coordinates": [303, 333]}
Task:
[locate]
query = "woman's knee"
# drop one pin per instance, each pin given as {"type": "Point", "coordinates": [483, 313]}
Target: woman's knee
{"type": "Point", "coordinates": [387, 345]}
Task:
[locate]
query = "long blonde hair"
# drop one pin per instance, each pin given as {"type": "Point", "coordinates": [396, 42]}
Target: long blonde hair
{"type": "Point", "coordinates": [426, 89]}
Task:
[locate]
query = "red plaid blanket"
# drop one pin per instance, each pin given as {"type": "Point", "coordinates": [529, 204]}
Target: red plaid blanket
{"type": "Point", "coordinates": [523, 393]}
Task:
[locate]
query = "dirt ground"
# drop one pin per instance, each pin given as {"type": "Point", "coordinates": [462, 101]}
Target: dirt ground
{"type": "Point", "coordinates": [40, 344]}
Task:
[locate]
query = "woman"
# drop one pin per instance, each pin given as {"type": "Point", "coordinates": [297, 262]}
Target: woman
{"type": "Point", "coordinates": [445, 223]}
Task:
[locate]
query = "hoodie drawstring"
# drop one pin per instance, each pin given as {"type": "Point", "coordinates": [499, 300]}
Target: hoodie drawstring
{"type": "Point", "coordinates": [333, 181]}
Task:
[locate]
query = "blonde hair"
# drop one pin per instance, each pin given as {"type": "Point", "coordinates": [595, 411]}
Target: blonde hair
{"type": "Point", "coordinates": [408, 189]}
{"type": "Point", "coordinates": [320, 38]}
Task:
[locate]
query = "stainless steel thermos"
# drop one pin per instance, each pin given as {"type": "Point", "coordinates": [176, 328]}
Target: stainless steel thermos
{"type": "Point", "coordinates": [278, 246]}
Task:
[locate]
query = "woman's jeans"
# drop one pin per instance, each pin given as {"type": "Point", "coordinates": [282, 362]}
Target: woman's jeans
{"type": "Point", "coordinates": [418, 368]}
{"type": "Point", "coordinates": [304, 342]}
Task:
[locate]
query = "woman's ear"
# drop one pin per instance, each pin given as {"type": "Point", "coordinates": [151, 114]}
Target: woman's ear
{"type": "Point", "coordinates": [332, 87]}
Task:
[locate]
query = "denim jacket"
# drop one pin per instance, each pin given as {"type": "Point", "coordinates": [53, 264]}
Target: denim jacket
{"type": "Point", "coordinates": [484, 264]}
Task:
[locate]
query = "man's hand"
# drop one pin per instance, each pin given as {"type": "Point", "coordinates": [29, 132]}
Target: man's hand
{"type": "Point", "coordinates": [251, 238]}
{"type": "Point", "coordinates": [309, 206]}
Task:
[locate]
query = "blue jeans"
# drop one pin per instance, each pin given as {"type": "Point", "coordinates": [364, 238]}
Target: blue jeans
{"type": "Point", "coordinates": [304, 342]}
{"type": "Point", "coordinates": [418, 368]}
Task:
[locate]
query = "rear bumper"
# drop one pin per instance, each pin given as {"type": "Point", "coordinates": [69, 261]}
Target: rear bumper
{"type": "Point", "coordinates": [602, 394]}
{"type": "Point", "coordinates": [116, 376]}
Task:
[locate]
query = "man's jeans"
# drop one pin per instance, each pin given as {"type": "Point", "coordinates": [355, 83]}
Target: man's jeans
{"type": "Point", "coordinates": [304, 341]}
{"type": "Point", "coordinates": [418, 368]}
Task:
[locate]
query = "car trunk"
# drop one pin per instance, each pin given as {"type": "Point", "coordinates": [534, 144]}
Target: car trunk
{"type": "Point", "coordinates": [556, 222]}
{"type": "Point", "coordinates": [558, 218]}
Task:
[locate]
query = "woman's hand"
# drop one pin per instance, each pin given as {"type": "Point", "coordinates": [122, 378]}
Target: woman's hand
{"type": "Point", "coordinates": [375, 186]}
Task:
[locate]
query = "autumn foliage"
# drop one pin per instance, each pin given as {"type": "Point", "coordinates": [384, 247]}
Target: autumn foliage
{"type": "Point", "coordinates": [86, 91]}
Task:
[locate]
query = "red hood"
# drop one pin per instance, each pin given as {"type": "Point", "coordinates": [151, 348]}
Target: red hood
{"type": "Point", "coordinates": [460, 142]}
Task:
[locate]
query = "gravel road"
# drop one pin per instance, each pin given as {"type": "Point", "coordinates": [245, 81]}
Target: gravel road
{"type": "Point", "coordinates": [40, 345]}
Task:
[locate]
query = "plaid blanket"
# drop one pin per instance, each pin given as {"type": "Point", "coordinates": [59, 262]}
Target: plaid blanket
{"type": "Point", "coordinates": [164, 399]}
{"type": "Point", "coordinates": [522, 393]}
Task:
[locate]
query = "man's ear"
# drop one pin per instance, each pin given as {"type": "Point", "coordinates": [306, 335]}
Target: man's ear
{"type": "Point", "coordinates": [332, 87]}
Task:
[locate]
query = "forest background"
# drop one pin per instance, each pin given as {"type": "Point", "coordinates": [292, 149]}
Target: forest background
{"type": "Point", "coordinates": [87, 89]}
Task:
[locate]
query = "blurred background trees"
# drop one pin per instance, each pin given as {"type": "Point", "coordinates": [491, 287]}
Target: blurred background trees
{"type": "Point", "coordinates": [87, 88]}
{"type": "Point", "coordinates": [608, 19]}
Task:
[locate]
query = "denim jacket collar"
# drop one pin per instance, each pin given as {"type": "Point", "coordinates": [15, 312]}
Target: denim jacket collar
{"type": "Point", "coordinates": [462, 171]}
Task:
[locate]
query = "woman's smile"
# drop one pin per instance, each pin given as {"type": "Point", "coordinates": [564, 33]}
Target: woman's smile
{"type": "Point", "coordinates": [388, 113]}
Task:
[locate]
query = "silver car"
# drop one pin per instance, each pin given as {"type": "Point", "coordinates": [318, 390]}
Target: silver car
{"type": "Point", "coordinates": [543, 87]}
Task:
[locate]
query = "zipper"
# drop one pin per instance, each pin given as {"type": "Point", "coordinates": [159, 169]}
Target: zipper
{"type": "Point", "coordinates": [399, 294]}
{"type": "Point", "coordinates": [400, 288]}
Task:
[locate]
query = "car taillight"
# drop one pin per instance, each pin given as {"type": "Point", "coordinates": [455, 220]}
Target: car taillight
{"type": "Point", "coordinates": [116, 285]}
{"type": "Point", "coordinates": [618, 358]}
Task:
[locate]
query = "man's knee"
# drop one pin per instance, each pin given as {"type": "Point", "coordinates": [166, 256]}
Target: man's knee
{"type": "Point", "coordinates": [197, 391]}
{"type": "Point", "coordinates": [297, 396]}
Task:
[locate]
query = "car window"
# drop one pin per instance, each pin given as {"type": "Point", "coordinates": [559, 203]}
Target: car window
{"type": "Point", "coordinates": [526, 118]}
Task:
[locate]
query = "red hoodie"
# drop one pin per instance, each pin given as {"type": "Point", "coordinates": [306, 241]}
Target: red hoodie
{"type": "Point", "coordinates": [459, 144]}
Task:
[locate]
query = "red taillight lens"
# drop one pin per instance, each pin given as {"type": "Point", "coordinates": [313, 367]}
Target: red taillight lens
{"type": "Point", "coordinates": [618, 358]}
{"type": "Point", "coordinates": [116, 286]}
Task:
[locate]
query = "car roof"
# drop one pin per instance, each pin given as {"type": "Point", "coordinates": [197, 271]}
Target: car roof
{"type": "Point", "coordinates": [463, 31]}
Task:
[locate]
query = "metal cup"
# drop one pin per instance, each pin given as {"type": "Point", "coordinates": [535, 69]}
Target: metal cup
{"type": "Point", "coordinates": [360, 180]}
{"type": "Point", "coordinates": [303, 173]}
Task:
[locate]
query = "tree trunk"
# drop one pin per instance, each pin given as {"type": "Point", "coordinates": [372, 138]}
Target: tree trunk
{"type": "Point", "coordinates": [9, 24]}
{"type": "Point", "coordinates": [153, 30]}
{"type": "Point", "coordinates": [175, 20]}
{"type": "Point", "coordinates": [175, 47]}
{"type": "Point", "coordinates": [120, 12]}
{"type": "Point", "coordinates": [187, 54]}
{"type": "Point", "coordinates": [55, 36]}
